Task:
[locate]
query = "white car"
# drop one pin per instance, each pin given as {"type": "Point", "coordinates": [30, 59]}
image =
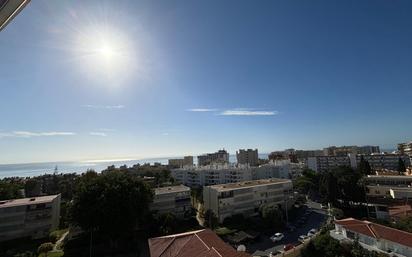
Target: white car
{"type": "Point", "coordinates": [312, 232]}
{"type": "Point", "coordinates": [277, 237]}
{"type": "Point", "coordinates": [302, 238]}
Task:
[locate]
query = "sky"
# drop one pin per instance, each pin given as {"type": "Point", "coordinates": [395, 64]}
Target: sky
{"type": "Point", "coordinates": [83, 80]}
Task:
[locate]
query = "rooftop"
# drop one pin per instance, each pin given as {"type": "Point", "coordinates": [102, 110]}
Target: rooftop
{"type": "Point", "coordinates": [171, 189]}
{"type": "Point", "coordinates": [250, 183]}
{"type": "Point", "coordinates": [199, 243]}
{"type": "Point", "coordinates": [27, 201]}
{"type": "Point", "coordinates": [376, 231]}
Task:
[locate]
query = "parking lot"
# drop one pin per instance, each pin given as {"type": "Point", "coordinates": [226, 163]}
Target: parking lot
{"type": "Point", "coordinates": [314, 217]}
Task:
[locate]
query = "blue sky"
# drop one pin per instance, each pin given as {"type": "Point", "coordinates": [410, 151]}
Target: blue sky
{"type": "Point", "coordinates": [131, 79]}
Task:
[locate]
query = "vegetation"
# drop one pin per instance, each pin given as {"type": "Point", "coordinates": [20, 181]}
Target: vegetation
{"type": "Point", "coordinates": [271, 216]}
{"type": "Point", "coordinates": [10, 190]}
{"type": "Point", "coordinates": [325, 246]}
{"type": "Point", "coordinates": [210, 219]}
{"type": "Point", "coordinates": [113, 203]}
{"type": "Point", "coordinates": [364, 167]}
{"type": "Point", "coordinates": [45, 248]}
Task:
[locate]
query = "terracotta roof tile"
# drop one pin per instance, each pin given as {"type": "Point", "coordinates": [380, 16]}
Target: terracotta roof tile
{"type": "Point", "coordinates": [201, 243]}
{"type": "Point", "coordinates": [377, 231]}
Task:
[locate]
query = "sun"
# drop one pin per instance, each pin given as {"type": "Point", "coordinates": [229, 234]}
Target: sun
{"type": "Point", "coordinates": [106, 51]}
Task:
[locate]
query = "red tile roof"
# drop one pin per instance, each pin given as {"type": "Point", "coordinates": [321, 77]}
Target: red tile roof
{"type": "Point", "coordinates": [376, 231]}
{"type": "Point", "coordinates": [200, 243]}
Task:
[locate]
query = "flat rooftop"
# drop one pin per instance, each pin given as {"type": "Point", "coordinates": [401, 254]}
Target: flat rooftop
{"type": "Point", "coordinates": [27, 201]}
{"type": "Point", "coordinates": [399, 177]}
{"type": "Point", "coordinates": [250, 183]}
{"type": "Point", "coordinates": [171, 189]}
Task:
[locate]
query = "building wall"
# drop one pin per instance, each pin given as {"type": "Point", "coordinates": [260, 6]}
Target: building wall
{"type": "Point", "coordinates": [34, 220]}
{"type": "Point", "coordinates": [175, 202]}
{"type": "Point", "coordinates": [220, 157]}
{"type": "Point", "coordinates": [248, 156]}
{"type": "Point", "coordinates": [247, 201]}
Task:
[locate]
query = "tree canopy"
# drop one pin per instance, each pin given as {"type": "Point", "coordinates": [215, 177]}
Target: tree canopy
{"type": "Point", "coordinates": [112, 203]}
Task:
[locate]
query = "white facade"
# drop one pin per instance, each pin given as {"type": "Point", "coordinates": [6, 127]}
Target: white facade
{"type": "Point", "coordinates": [32, 217]}
{"type": "Point", "coordinates": [395, 187]}
{"type": "Point", "coordinates": [247, 197]}
{"type": "Point", "coordinates": [249, 156]}
{"type": "Point", "coordinates": [172, 199]}
{"type": "Point", "coordinates": [376, 161]}
{"type": "Point", "coordinates": [374, 237]}
{"type": "Point", "coordinates": [222, 174]}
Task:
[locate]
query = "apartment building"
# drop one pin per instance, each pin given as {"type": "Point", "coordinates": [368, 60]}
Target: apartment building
{"type": "Point", "coordinates": [389, 187]}
{"type": "Point", "coordinates": [220, 157]}
{"type": "Point", "coordinates": [353, 149]}
{"type": "Point", "coordinates": [294, 155]}
{"type": "Point", "coordinates": [374, 237]}
{"type": "Point", "coordinates": [29, 217]}
{"type": "Point", "coordinates": [247, 197]}
{"type": "Point", "coordinates": [172, 199]}
{"type": "Point", "coordinates": [212, 174]}
{"type": "Point", "coordinates": [180, 163]}
{"type": "Point", "coordinates": [376, 161]}
{"type": "Point", "coordinates": [405, 148]}
{"type": "Point", "coordinates": [249, 157]}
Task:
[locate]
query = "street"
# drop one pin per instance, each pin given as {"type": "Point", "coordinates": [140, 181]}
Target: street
{"type": "Point", "coordinates": [314, 220]}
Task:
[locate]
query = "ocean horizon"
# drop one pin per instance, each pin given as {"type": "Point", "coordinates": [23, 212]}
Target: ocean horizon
{"type": "Point", "coordinates": [41, 168]}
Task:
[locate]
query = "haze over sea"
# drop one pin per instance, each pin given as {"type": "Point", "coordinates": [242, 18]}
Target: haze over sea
{"type": "Point", "coordinates": [40, 168]}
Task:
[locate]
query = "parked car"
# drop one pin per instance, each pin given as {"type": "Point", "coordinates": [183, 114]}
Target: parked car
{"type": "Point", "coordinates": [302, 238]}
{"type": "Point", "coordinates": [277, 237]}
{"type": "Point", "coordinates": [312, 232]}
{"type": "Point", "coordinates": [288, 247]}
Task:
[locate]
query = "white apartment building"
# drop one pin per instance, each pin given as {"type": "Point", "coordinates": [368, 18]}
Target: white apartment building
{"type": "Point", "coordinates": [222, 174]}
{"type": "Point", "coordinates": [212, 175]}
{"type": "Point", "coordinates": [374, 237]}
{"type": "Point", "coordinates": [29, 217]}
{"type": "Point", "coordinates": [219, 157]}
{"type": "Point", "coordinates": [405, 148]}
{"type": "Point", "coordinates": [247, 197]}
{"type": "Point", "coordinates": [376, 161]}
{"type": "Point", "coordinates": [390, 187]}
{"type": "Point", "coordinates": [172, 199]}
{"type": "Point", "coordinates": [249, 157]}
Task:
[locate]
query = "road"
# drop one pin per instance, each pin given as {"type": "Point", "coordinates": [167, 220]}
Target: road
{"type": "Point", "coordinates": [314, 220]}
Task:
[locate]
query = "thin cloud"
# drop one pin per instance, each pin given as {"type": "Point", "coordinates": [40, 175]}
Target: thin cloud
{"type": "Point", "coordinates": [98, 134]}
{"type": "Point", "coordinates": [108, 107]}
{"type": "Point", "coordinates": [247, 112]}
{"type": "Point", "coordinates": [202, 110]}
{"type": "Point", "coordinates": [165, 134]}
{"type": "Point", "coordinates": [29, 134]}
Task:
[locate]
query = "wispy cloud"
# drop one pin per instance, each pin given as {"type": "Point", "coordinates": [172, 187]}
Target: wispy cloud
{"type": "Point", "coordinates": [98, 134]}
{"type": "Point", "coordinates": [108, 107]}
{"type": "Point", "coordinates": [29, 134]}
{"type": "Point", "coordinates": [247, 112]}
{"type": "Point", "coordinates": [202, 110]}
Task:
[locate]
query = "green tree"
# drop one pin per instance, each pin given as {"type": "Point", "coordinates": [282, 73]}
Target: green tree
{"type": "Point", "coordinates": [364, 167]}
{"type": "Point", "coordinates": [401, 166]}
{"type": "Point", "coordinates": [211, 220]}
{"type": "Point", "coordinates": [9, 190]}
{"type": "Point", "coordinates": [167, 223]}
{"type": "Point", "coordinates": [113, 203]}
{"type": "Point", "coordinates": [272, 216]}
{"type": "Point", "coordinates": [45, 248]}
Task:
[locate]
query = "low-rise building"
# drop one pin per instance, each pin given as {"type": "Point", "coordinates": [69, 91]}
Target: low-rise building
{"type": "Point", "coordinates": [249, 157]}
{"type": "Point", "coordinates": [389, 187]}
{"type": "Point", "coordinates": [373, 237]}
{"type": "Point", "coordinates": [199, 243]}
{"type": "Point", "coordinates": [172, 199]}
{"type": "Point", "coordinates": [220, 157]}
{"type": "Point", "coordinates": [29, 217]}
{"type": "Point", "coordinates": [247, 197]}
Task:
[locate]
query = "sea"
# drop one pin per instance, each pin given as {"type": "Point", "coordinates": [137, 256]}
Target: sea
{"type": "Point", "coordinates": [41, 168]}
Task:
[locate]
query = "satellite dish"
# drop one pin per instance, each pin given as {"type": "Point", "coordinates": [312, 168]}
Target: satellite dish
{"type": "Point", "coordinates": [241, 248]}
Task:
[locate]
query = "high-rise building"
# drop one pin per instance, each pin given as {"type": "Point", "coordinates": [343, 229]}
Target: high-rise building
{"type": "Point", "coordinates": [248, 156]}
{"type": "Point", "coordinates": [180, 163]}
{"type": "Point", "coordinates": [405, 148]}
{"type": "Point", "coordinates": [220, 157]}
{"type": "Point", "coordinates": [29, 217]}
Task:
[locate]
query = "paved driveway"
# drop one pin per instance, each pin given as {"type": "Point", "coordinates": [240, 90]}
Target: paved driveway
{"type": "Point", "coordinates": [314, 220]}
